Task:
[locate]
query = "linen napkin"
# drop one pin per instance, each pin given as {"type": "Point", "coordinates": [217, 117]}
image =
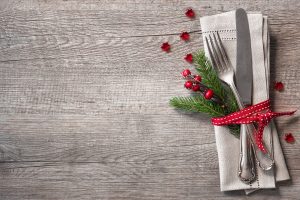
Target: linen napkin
{"type": "Point", "coordinates": [227, 144]}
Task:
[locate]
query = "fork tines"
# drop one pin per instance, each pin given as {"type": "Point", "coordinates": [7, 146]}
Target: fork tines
{"type": "Point", "coordinates": [217, 52]}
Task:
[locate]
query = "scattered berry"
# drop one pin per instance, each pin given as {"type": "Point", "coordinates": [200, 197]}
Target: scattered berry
{"type": "Point", "coordinates": [289, 138]}
{"type": "Point", "coordinates": [186, 73]}
{"type": "Point", "coordinates": [278, 86]}
{"type": "Point", "coordinates": [165, 47]}
{"type": "Point", "coordinates": [185, 36]}
{"type": "Point", "coordinates": [188, 85]}
{"type": "Point", "coordinates": [189, 58]}
{"type": "Point", "coordinates": [190, 13]}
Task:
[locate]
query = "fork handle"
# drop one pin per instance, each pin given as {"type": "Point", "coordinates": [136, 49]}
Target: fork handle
{"type": "Point", "coordinates": [246, 167]}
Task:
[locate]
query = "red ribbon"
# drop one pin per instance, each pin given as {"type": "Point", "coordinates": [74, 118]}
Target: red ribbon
{"type": "Point", "coordinates": [259, 113]}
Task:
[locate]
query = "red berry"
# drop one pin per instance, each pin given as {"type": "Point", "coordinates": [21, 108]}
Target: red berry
{"type": "Point", "coordinates": [196, 88]}
{"type": "Point", "coordinates": [165, 47]}
{"type": "Point", "coordinates": [208, 94]}
{"type": "Point", "coordinates": [278, 86]}
{"type": "Point", "coordinates": [185, 36]}
{"type": "Point", "coordinates": [186, 73]}
{"type": "Point", "coordinates": [289, 138]}
{"type": "Point", "coordinates": [190, 13]}
{"type": "Point", "coordinates": [188, 85]}
{"type": "Point", "coordinates": [189, 58]}
{"type": "Point", "coordinates": [197, 78]}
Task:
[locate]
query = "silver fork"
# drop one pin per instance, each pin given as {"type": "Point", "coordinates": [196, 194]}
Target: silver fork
{"type": "Point", "coordinates": [225, 72]}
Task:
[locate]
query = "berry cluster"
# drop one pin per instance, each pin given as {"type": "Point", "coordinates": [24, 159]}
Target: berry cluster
{"type": "Point", "coordinates": [194, 83]}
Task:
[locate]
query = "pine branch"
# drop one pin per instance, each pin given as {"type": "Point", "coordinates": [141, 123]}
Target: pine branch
{"type": "Point", "coordinates": [209, 76]}
{"type": "Point", "coordinates": [210, 79]}
{"type": "Point", "coordinates": [197, 104]}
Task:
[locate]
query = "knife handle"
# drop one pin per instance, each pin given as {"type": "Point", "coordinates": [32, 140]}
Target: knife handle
{"type": "Point", "coordinates": [264, 160]}
{"type": "Point", "coordinates": [246, 170]}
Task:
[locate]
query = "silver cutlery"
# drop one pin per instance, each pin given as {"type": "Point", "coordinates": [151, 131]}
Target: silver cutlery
{"type": "Point", "coordinates": [243, 81]}
{"type": "Point", "coordinates": [225, 72]}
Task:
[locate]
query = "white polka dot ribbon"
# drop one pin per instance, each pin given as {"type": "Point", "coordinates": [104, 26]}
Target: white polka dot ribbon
{"type": "Point", "coordinates": [260, 114]}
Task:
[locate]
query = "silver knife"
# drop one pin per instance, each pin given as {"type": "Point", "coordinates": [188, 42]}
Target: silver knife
{"type": "Point", "coordinates": [244, 74]}
{"type": "Point", "coordinates": [243, 78]}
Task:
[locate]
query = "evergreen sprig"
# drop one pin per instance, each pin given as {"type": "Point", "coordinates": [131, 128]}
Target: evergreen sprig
{"type": "Point", "coordinates": [210, 79]}
{"type": "Point", "coordinates": [198, 103]}
{"type": "Point", "coordinates": [209, 76]}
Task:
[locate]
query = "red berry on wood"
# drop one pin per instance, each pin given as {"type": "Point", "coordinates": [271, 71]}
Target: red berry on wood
{"type": "Point", "coordinates": [197, 78]}
{"type": "Point", "coordinates": [189, 58]}
{"type": "Point", "coordinates": [186, 73]}
{"type": "Point", "coordinates": [165, 47]}
{"type": "Point", "coordinates": [188, 85]}
{"type": "Point", "coordinates": [208, 94]}
{"type": "Point", "coordinates": [289, 138]}
{"type": "Point", "coordinates": [196, 88]}
{"type": "Point", "coordinates": [185, 36]}
{"type": "Point", "coordinates": [190, 13]}
{"type": "Point", "coordinates": [278, 86]}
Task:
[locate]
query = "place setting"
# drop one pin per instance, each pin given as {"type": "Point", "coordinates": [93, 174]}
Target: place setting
{"type": "Point", "coordinates": [230, 83]}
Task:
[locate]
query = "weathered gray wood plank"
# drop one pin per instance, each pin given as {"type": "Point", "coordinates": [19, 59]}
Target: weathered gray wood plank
{"type": "Point", "coordinates": [117, 181]}
{"type": "Point", "coordinates": [84, 91]}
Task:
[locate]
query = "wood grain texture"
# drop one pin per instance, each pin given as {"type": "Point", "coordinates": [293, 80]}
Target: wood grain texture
{"type": "Point", "coordinates": [84, 91]}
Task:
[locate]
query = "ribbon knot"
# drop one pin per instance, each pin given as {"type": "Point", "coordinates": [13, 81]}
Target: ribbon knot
{"type": "Point", "coordinates": [252, 114]}
{"type": "Point", "coordinates": [265, 118]}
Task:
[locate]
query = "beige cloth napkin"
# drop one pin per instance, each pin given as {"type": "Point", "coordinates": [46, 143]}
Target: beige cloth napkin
{"type": "Point", "coordinates": [227, 144]}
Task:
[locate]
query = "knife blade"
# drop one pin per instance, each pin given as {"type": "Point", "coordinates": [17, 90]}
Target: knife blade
{"type": "Point", "coordinates": [243, 78]}
{"type": "Point", "coordinates": [244, 74]}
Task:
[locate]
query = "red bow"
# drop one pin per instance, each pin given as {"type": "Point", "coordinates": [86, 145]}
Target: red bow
{"type": "Point", "coordinates": [259, 113]}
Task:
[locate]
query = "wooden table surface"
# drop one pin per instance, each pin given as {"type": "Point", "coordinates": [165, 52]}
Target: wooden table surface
{"type": "Point", "coordinates": [84, 90]}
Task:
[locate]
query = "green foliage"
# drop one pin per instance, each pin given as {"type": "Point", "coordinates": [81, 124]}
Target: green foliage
{"type": "Point", "coordinates": [198, 103]}
{"type": "Point", "coordinates": [210, 79]}
{"type": "Point", "coordinates": [208, 74]}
